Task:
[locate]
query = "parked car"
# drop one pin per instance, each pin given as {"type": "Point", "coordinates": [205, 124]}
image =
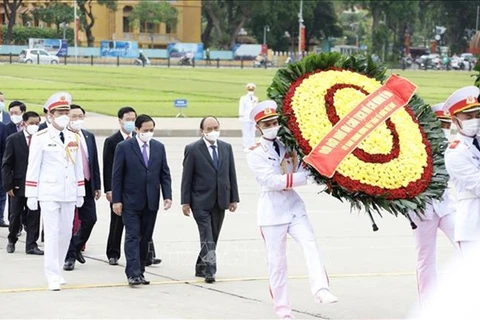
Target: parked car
{"type": "Point", "coordinates": [37, 55]}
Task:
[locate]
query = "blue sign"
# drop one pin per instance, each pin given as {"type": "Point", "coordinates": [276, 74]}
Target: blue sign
{"type": "Point", "coordinates": [180, 103]}
{"type": "Point", "coordinates": [56, 47]}
{"type": "Point", "coordinates": [122, 49]}
{"type": "Point", "coordinates": [180, 50]}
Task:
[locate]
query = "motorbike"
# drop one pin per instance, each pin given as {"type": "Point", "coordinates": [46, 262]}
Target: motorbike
{"type": "Point", "coordinates": [138, 61]}
{"type": "Point", "coordinates": [185, 61]}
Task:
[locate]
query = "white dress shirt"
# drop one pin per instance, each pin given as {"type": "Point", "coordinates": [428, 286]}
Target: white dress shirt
{"type": "Point", "coordinates": [210, 150]}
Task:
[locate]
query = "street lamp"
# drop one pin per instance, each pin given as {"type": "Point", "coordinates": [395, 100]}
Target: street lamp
{"type": "Point", "coordinates": [265, 30]}
{"type": "Point", "coordinates": [64, 26]}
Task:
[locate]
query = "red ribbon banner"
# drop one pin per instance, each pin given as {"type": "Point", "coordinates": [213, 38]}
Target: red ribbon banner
{"type": "Point", "coordinates": [351, 130]}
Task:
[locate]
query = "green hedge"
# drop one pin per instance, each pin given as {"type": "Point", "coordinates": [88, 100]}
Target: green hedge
{"type": "Point", "coordinates": [21, 34]}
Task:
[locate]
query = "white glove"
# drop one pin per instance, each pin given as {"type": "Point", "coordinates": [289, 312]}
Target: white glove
{"type": "Point", "coordinates": [32, 203]}
{"type": "Point", "coordinates": [79, 202]}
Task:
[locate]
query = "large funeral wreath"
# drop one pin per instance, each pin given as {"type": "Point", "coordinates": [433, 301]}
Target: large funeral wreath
{"type": "Point", "coordinates": [398, 168]}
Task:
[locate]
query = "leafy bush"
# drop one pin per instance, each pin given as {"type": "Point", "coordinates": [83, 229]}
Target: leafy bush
{"type": "Point", "coordinates": [21, 34]}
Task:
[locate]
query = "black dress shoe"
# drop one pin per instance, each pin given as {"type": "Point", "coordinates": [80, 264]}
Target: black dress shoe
{"type": "Point", "coordinates": [69, 265]}
{"type": "Point", "coordinates": [80, 257]}
{"type": "Point", "coordinates": [143, 280]}
{"type": "Point", "coordinates": [35, 251]}
{"type": "Point", "coordinates": [113, 261]}
{"type": "Point", "coordinates": [11, 247]}
{"type": "Point", "coordinates": [209, 279]}
{"type": "Point", "coordinates": [153, 261]}
{"type": "Point", "coordinates": [3, 224]}
{"type": "Point", "coordinates": [134, 281]}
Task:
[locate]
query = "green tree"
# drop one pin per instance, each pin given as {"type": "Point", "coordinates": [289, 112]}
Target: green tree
{"type": "Point", "coordinates": [87, 17]}
{"type": "Point", "coordinates": [54, 13]}
{"type": "Point", "coordinates": [147, 14]}
{"type": "Point", "coordinates": [11, 8]}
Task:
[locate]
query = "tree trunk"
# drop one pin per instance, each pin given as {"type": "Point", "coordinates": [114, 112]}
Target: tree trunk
{"type": "Point", "coordinates": [237, 30]}
{"type": "Point", "coordinates": [215, 20]}
{"type": "Point", "coordinates": [376, 43]}
{"type": "Point", "coordinates": [87, 14]}
{"type": "Point", "coordinates": [11, 13]}
{"type": "Point", "coordinates": [207, 33]}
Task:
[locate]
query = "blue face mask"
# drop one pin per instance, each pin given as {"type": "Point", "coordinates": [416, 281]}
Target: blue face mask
{"type": "Point", "coordinates": [129, 126]}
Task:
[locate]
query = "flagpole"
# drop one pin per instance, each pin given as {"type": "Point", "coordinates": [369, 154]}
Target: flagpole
{"type": "Point", "coordinates": [75, 28]}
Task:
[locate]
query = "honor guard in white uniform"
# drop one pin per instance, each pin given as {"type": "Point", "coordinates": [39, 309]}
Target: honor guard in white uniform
{"type": "Point", "coordinates": [55, 179]}
{"type": "Point", "coordinates": [281, 211]}
{"type": "Point", "coordinates": [437, 215]}
{"type": "Point", "coordinates": [247, 102]}
{"type": "Point", "coordinates": [462, 159]}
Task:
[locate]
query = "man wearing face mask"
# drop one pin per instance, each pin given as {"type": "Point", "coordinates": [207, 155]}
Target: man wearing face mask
{"type": "Point", "coordinates": [126, 120]}
{"type": "Point", "coordinates": [91, 171]}
{"type": "Point", "coordinates": [246, 104]}
{"type": "Point", "coordinates": [14, 169]}
{"type": "Point", "coordinates": [281, 211]}
{"type": "Point", "coordinates": [462, 160]}
{"type": "Point", "coordinates": [55, 179]}
{"type": "Point", "coordinates": [437, 215]}
{"type": "Point", "coordinates": [4, 116]}
{"type": "Point", "coordinates": [140, 172]}
{"type": "Point", "coordinates": [209, 187]}
{"type": "Point", "coordinates": [16, 110]}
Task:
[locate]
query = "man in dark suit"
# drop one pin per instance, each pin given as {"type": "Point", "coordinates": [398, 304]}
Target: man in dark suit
{"type": "Point", "coordinates": [16, 109]}
{"type": "Point", "coordinates": [91, 171]}
{"type": "Point", "coordinates": [126, 119]}
{"type": "Point", "coordinates": [4, 119]}
{"type": "Point", "coordinates": [14, 169]}
{"type": "Point", "coordinates": [140, 172]}
{"type": "Point", "coordinates": [209, 187]}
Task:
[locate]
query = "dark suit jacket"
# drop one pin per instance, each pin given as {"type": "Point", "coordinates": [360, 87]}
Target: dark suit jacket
{"type": "Point", "coordinates": [93, 161]}
{"type": "Point", "coordinates": [11, 128]}
{"type": "Point", "coordinates": [133, 183]}
{"type": "Point", "coordinates": [14, 164]}
{"type": "Point", "coordinates": [42, 125]}
{"type": "Point", "coordinates": [6, 117]}
{"type": "Point", "coordinates": [108, 153]}
{"type": "Point", "coordinates": [202, 185]}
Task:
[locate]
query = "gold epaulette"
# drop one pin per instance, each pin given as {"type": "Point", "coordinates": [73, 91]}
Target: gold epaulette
{"type": "Point", "coordinates": [39, 133]}
{"type": "Point", "coordinates": [454, 144]}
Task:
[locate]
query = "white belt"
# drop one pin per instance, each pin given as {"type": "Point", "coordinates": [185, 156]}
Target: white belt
{"type": "Point", "coordinates": [464, 195]}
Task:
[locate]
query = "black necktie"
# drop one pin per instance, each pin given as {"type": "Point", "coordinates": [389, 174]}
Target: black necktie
{"type": "Point", "coordinates": [62, 137]}
{"type": "Point", "coordinates": [475, 143]}
{"type": "Point", "coordinates": [214, 156]}
{"type": "Point", "coordinates": [276, 146]}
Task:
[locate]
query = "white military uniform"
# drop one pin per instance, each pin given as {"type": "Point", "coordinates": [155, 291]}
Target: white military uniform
{"type": "Point", "coordinates": [245, 107]}
{"type": "Point", "coordinates": [462, 160]}
{"type": "Point", "coordinates": [55, 178]}
{"type": "Point", "coordinates": [437, 215]}
{"type": "Point", "coordinates": [281, 211]}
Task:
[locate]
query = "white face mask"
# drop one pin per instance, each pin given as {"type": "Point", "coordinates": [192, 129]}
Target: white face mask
{"type": "Point", "coordinates": [16, 118]}
{"type": "Point", "coordinates": [62, 121]}
{"type": "Point", "coordinates": [2, 105]}
{"type": "Point", "coordinates": [470, 127]}
{"type": "Point", "coordinates": [250, 93]}
{"type": "Point", "coordinates": [446, 132]}
{"type": "Point", "coordinates": [145, 136]}
{"type": "Point", "coordinates": [32, 129]}
{"type": "Point", "coordinates": [212, 136]}
{"type": "Point", "coordinates": [76, 125]}
{"type": "Point", "coordinates": [270, 133]}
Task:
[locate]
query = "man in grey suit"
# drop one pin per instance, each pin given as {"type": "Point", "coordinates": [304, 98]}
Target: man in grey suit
{"type": "Point", "coordinates": [209, 187]}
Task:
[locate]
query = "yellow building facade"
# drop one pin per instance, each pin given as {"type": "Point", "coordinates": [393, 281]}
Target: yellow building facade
{"type": "Point", "coordinates": [116, 25]}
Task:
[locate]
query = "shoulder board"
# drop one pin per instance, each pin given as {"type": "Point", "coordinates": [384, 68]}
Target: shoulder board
{"type": "Point", "coordinates": [255, 146]}
{"type": "Point", "coordinates": [454, 144]}
{"type": "Point", "coordinates": [39, 133]}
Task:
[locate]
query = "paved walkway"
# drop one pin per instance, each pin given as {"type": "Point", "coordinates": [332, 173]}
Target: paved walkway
{"type": "Point", "coordinates": [372, 273]}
